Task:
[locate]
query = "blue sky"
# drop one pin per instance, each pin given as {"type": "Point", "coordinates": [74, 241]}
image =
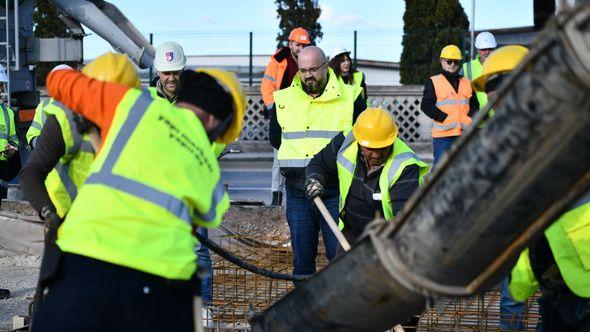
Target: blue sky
{"type": "Point", "coordinates": [218, 26]}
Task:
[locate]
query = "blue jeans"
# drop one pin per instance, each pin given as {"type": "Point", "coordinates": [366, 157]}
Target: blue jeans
{"type": "Point", "coordinates": [305, 221]}
{"type": "Point", "coordinates": [440, 146]}
{"type": "Point", "coordinates": [204, 261]}
{"type": "Point", "coordinates": [511, 311]}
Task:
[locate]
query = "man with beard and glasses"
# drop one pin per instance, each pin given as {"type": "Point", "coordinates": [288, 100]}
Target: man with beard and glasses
{"type": "Point", "coordinates": [315, 108]}
{"type": "Point", "coordinates": [449, 101]}
{"type": "Point", "coordinates": [279, 74]}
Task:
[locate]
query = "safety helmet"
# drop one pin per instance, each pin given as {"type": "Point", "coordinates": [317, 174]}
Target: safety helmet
{"type": "Point", "coordinates": [485, 40]}
{"type": "Point", "coordinates": [501, 61]}
{"type": "Point", "coordinates": [300, 35]}
{"type": "Point", "coordinates": [169, 57]}
{"type": "Point", "coordinates": [337, 51]}
{"type": "Point", "coordinates": [375, 128]}
{"type": "Point", "coordinates": [231, 85]}
{"type": "Point", "coordinates": [62, 66]}
{"type": "Point", "coordinates": [451, 52]}
{"type": "Point", "coordinates": [113, 67]}
{"type": "Point", "coordinates": [3, 76]}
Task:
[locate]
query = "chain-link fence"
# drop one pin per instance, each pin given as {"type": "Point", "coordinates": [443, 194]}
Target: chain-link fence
{"type": "Point", "coordinates": [247, 52]}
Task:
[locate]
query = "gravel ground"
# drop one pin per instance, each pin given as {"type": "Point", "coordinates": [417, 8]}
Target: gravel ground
{"type": "Point", "coordinates": [19, 267]}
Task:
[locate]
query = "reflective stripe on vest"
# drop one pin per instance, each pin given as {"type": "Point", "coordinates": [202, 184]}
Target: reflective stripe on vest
{"type": "Point", "coordinates": [6, 136]}
{"type": "Point", "coordinates": [172, 204]}
{"type": "Point", "coordinates": [310, 134]}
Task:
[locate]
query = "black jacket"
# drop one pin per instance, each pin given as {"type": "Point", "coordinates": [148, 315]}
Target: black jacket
{"type": "Point", "coordinates": [49, 149]}
{"type": "Point", "coordinates": [323, 168]}
{"type": "Point", "coordinates": [428, 105]}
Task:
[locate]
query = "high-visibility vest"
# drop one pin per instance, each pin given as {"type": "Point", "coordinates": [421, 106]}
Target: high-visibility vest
{"type": "Point", "coordinates": [309, 124]}
{"type": "Point", "coordinates": [357, 79]}
{"type": "Point", "coordinates": [454, 104]}
{"type": "Point", "coordinates": [154, 93]}
{"type": "Point", "coordinates": [401, 157]}
{"type": "Point", "coordinates": [273, 76]}
{"type": "Point", "coordinates": [155, 176]}
{"type": "Point", "coordinates": [38, 121]}
{"type": "Point", "coordinates": [472, 70]}
{"type": "Point", "coordinates": [72, 169]}
{"type": "Point", "coordinates": [569, 240]}
{"type": "Point", "coordinates": [7, 130]}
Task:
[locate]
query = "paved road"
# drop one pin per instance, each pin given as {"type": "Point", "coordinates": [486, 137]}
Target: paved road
{"type": "Point", "coordinates": [247, 181]}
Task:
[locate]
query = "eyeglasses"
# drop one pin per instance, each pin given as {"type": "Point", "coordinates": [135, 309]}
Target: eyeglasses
{"type": "Point", "coordinates": [452, 62]}
{"type": "Point", "coordinates": [313, 70]}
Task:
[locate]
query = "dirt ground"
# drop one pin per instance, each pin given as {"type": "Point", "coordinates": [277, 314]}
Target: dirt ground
{"type": "Point", "coordinates": [19, 207]}
{"type": "Point", "coordinates": [263, 223]}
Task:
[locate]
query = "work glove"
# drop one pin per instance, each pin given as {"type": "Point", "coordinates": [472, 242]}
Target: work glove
{"type": "Point", "coordinates": [50, 217]}
{"type": "Point", "coordinates": [313, 188]}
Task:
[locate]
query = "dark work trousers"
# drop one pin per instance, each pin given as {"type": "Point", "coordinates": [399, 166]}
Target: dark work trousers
{"type": "Point", "coordinates": [92, 295]}
{"type": "Point", "coordinates": [305, 222]}
{"type": "Point", "coordinates": [440, 146]}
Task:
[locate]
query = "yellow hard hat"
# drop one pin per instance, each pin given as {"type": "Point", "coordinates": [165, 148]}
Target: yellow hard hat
{"type": "Point", "coordinates": [375, 128]}
{"type": "Point", "coordinates": [451, 52]}
{"type": "Point", "coordinates": [501, 61]}
{"type": "Point", "coordinates": [230, 83]}
{"type": "Point", "coordinates": [113, 67]}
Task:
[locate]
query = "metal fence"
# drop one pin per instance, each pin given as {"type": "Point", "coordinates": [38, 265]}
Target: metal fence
{"type": "Point", "coordinates": [403, 102]}
{"type": "Point", "coordinates": [246, 52]}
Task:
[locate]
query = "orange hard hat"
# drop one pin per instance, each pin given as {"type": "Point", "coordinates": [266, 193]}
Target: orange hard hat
{"type": "Point", "coordinates": [299, 35]}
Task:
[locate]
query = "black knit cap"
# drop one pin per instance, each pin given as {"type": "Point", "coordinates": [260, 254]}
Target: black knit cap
{"type": "Point", "coordinates": [203, 91]}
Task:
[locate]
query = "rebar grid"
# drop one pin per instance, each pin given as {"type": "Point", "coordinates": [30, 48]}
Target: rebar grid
{"type": "Point", "coordinates": [237, 291]}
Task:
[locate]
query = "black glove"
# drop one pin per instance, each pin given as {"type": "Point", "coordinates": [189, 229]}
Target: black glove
{"type": "Point", "coordinates": [313, 188]}
{"type": "Point", "coordinates": [48, 214]}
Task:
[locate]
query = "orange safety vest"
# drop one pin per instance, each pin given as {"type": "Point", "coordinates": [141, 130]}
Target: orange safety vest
{"type": "Point", "coordinates": [454, 104]}
{"type": "Point", "coordinates": [273, 76]}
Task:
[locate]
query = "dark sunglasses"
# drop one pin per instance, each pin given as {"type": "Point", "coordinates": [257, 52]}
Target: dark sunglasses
{"type": "Point", "coordinates": [452, 62]}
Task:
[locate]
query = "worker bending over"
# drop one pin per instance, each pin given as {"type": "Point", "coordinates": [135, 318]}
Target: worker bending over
{"type": "Point", "coordinates": [128, 252]}
{"type": "Point", "coordinates": [377, 172]}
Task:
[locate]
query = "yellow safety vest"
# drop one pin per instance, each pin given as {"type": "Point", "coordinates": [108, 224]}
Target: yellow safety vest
{"type": "Point", "coordinates": [309, 124]}
{"type": "Point", "coordinates": [72, 169]}
{"type": "Point", "coordinates": [472, 70]}
{"type": "Point", "coordinates": [155, 176]}
{"type": "Point", "coordinates": [401, 157]}
{"type": "Point", "coordinates": [38, 122]}
{"type": "Point", "coordinates": [357, 78]}
{"type": "Point", "coordinates": [7, 130]}
{"type": "Point", "coordinates": [569, 239]}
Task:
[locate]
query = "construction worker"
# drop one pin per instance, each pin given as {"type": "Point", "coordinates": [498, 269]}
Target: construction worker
{"type": "Point", "coordinates": [40, 116]}
{"type": "Point", "coordinates": [60, 162]}
{"type": "Point", "coordinates": [485, 43]}
{"type": "Point", "coordinates": [449, 101]}
{"type": "Point", "coordinates": [279, 74]}
{"type": "Point", "coordinates": [314, 109]}
{"type": "Point", "coordinates": [169, 62]}
{"type": "Point", "coordinates": [341, 64]}
{"type": "Point", "coordinates": [10, 162]}
{"type": "Point", "coordinates": [376, 170]}
{"type": "Point", "coordinates": [128, 260]}
{"type": "Point", "coordinates": [496, 68]}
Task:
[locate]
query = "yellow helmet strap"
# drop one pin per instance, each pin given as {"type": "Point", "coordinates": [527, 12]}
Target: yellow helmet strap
{"type": "Point", "coordinates": [220, 129]}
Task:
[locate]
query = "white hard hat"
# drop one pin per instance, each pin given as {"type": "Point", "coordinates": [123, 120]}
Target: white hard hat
{"type": "Point", "coordinates": [485, 40]}
{"type": "Point", "coordinates": [169, 57]}
{"type": "Point", "coordinates": [3, 76]}
{"type": "Point", "coordinates": [62, 66]}
{"type": "Point", "coordinates": [337, 51]}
